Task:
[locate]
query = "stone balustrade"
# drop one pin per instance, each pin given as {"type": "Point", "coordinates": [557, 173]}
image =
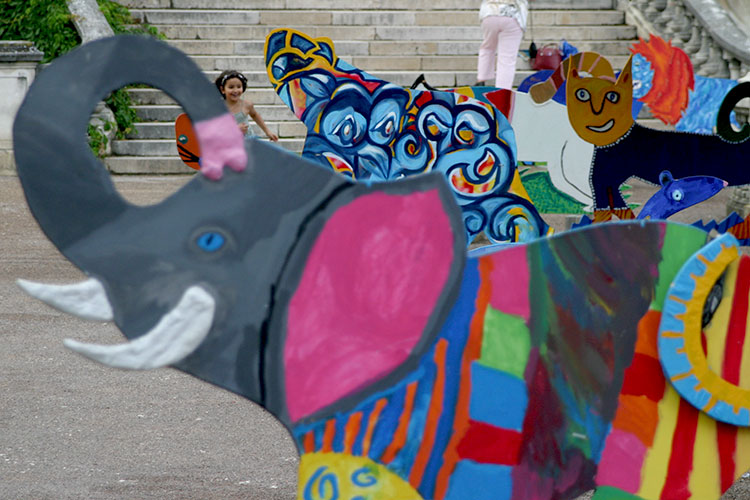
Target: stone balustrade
{"type": "Point", "coordinates": [710, 35]}
{"type": "Point", "coordinates": [702, 28]}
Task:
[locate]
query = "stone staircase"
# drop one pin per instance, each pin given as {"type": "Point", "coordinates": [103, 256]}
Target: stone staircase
{"type": "Point", "coordinates": [396, 40]}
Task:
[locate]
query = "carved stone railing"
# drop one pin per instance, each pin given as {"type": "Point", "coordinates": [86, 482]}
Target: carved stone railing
{"type": "Point", "coordinates": [710, 35]}
{"type": "Point", "coordinates": [702, 28]}
{"type": "Point", "coordinates": [91, 25]}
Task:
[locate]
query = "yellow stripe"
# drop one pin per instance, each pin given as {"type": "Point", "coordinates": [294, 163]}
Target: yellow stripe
{"type": "Point", "coordinates": [654, 470]}
{"type": "Point", "coordinates": [704, 481]}
{"type": "Point", "coordinates": [716, 331]}
{"type": "Point", "coordinates": [742, 453]}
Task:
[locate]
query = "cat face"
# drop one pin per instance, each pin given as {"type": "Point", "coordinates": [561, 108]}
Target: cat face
{"type": "Point", "coordinates": [599, 109]}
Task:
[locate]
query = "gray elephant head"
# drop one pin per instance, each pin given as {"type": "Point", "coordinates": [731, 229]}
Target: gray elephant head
{"type": "Point", "coordinates": [202, 280]}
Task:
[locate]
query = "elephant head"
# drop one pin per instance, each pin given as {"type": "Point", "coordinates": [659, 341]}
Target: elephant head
{"type": "Point", "coordinates": [204, 280]}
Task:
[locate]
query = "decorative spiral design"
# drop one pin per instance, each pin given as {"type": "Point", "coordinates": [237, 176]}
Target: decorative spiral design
{"type": "Point", "coordinates": [364, 477]}
{"type": "Point", "coordinates": [323, 485]}
{"type": "Point", "coordinates": [512, 219]}
{"type": "Point", "coordinates": [412, 153]}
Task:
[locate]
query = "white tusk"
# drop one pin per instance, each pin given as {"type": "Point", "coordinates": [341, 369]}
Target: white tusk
{"type": "Point", "coordinates": [87, 299]}
{"type": "Point", "coordinates": [177, 335]}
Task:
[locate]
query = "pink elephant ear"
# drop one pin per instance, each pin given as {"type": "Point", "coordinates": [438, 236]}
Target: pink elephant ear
{"type": "Point", "coordinates": [375, 280]}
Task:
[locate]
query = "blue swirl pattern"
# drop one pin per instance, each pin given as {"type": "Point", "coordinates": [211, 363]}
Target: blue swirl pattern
{"type": "Point", "coordinates": [373, 130]}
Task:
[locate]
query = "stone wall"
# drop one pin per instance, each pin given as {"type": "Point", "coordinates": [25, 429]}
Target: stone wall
{"type": "Point", "coordinates": [18, 66]}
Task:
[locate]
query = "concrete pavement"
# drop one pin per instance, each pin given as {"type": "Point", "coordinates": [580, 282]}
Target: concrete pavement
{"type": "Point", "coordinates": [72, 429]}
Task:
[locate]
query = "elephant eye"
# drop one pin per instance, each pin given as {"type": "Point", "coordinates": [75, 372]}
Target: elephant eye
{"type": "Point", "coordinates": [677, 195]}
{"type": "Point", "coordinates": [210, 241]}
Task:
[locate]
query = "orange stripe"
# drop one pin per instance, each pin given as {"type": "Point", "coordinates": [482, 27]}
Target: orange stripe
{"type": "Point", "coordinates": [399, 437]}
{"type": "Point", "coordinates": [371, 421]}
{"type": "Point", "coordinates": [471, 352]}
{"type": "Point", "coordinates": [309, 443]}
{"type": "Point", "coordinates": [648, 333]}
{"type": "Point", "coordinates": [328, 436]}
{"type": "Point", "coordinates": [433, 416]}
{"type": "Point", "coordinates": [351, 431]}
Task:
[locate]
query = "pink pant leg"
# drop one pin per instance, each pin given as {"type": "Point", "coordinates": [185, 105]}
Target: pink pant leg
{"type": "Point", "coordinates": [486, 60]}
{"type": "Point", "coordinates": [501, 38]}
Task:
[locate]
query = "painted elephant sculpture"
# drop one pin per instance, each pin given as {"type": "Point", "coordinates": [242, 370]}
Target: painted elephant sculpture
{"type": "Point", "coordinates": [402, 367]}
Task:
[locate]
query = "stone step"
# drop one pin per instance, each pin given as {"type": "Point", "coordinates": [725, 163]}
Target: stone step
{"type": "Point", "coordinates": [165, 130]}
{"type": "Point", "coordinates": [465, 17]}
{"type": "Point", "coordinates": [151, 96]}
{"type": "Point", "coordinates": [385, 33]}
{"type": "Point", "coordinates": [168, 113]}
{"type": "Point", "coordinates": [325, 5]}
{"type": "Point", "coordinates": [249, 48]}
{"type": "Point", "coordinates": [147, 165]}
{"type": "Point", "coordinates": [350, 49]}
{"type": "Point", "coordinates": [391, 39]}
{"type": "Point", "coordinates": [164, 147]}
{"type": "Point", "coordinates": [466, 62]}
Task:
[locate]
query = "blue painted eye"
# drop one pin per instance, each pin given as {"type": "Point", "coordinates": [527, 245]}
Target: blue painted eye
{"type": "Point", "coordinates": [210, 241]}
{"type": "Point", "coordinates": [677, 195]}
{"type": "Point", "coordinates": [583, 95]}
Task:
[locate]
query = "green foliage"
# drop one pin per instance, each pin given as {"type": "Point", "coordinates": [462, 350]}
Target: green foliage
{"type": "Point", "coordinates": [48, 23]}
{"type": "Point", "coordinates": [121, 105]}
{"type": "Point", "coordinates": [97, 140]}
{"type": "Point", "coordinates": [119, 18]}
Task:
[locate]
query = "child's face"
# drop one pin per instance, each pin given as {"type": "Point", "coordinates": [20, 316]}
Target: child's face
{"type": "Point", "coordinates": [232, 89]}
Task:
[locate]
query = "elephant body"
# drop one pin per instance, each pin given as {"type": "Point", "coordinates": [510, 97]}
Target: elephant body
{"type": "Point", "coordinates": [402, 367]}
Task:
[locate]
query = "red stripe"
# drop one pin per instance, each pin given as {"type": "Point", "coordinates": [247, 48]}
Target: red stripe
{"type": "Point", "coordinates": [644, 377]}
{"type": "Point", "coordinates": [726, 435]}
{"type": "Point", "coordinates": [488, 444]}
{"type": "Point", "coordinates": [677, 484]}
{"type": "Point", "coordinates": [737, 325]}
{"type": "Point", "coordinates": [502, 99]}
{"type": "Point", "coordinates": [726, 441]}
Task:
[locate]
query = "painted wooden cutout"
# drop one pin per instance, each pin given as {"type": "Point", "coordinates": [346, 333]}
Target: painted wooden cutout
{"type": "Point", "coordinates": [401, 367]}
{"type": "Point", "coordinates": [187, 143]}
{"type": "Point", "coordinates": [371, 130]}
{"type": "Point", "coordinates": [680, 337]}
{"type": "Point", "coordinates": [678, 194]}
{"type": "Point", "coordinates": [599, 111]}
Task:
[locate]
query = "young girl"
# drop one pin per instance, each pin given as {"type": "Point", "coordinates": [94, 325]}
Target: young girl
{"type": "Point", "coordinates": [232, 84]}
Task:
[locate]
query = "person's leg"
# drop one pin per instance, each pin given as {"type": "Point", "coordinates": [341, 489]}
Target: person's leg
{"type": "Point", "coordinates": [486, 60]}
{"type": "Point", "coordinates": [508, 43]}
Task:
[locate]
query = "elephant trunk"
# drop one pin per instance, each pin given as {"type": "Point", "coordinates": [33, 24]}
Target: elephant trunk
{"type": "Point", "coordinates": [68, 190]}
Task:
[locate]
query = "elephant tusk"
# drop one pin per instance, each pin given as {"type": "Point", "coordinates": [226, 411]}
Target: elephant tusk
{"type": "Point", "coordinates": [87, 299]}
{"type": "Point", "coordinates": [178, 334]}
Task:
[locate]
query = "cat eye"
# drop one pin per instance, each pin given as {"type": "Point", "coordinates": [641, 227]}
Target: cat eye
{"type": "Point", "coordinates": [612, 96]}
{"type": "Point", "coordinates": [583, 95]}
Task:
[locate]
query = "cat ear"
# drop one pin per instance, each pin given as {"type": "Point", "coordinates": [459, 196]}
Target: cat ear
{"type": "Point", "coordinates": [626, 76]}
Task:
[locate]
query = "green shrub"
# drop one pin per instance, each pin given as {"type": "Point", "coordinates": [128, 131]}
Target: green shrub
{"type": "Point", "coordinates": [48, 23]}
